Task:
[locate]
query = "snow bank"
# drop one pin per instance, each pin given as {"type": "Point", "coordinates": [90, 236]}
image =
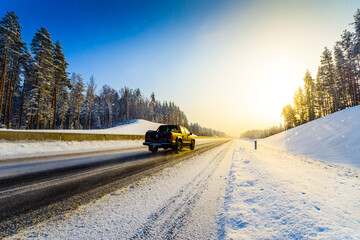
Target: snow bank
{"type": "Point", "coordinates": [332, 139]}
{"type": "Point", "coordinates": [30, 148]}
{"type": "Point", "coordinates": [135, 127]}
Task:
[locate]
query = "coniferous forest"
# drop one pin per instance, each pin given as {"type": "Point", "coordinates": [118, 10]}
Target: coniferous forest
{"type": "Point", "coordinates": [336, 85]}
{"type": "Point", "coordinates": [38, 93]}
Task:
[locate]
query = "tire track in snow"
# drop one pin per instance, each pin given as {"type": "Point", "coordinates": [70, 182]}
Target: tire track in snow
{"type": "Point", "coordinates": [164, 222]}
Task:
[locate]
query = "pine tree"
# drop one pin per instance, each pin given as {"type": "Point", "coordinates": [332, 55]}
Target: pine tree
{"type": "Point", "coordinates": [328, 78]}
{"type": "Point", "coordinates": [90, 101]}
{"type": "Point", "coordinates": [28, 67]}
{"type": "Point", "coordinates": [152, 104]}
{"type": "Point", "coordinates": [11, 50]}
{"type": "Point", "coordinates": [61, 81]}
{"type": "Point", "coordinates": [289, 115]}
{"type": "Point", "coordinates": [43, 50]}
{"type": "Point", "coordinates": [79, 98]}
{"type": "Point", "coordinates": [299, 101]}
{"type": "Point", "coordinates": [350, 67]}
{"type": "Point", "coordinates": [309, 88]}
{"type": "Point", "coordinates": [342, 78]}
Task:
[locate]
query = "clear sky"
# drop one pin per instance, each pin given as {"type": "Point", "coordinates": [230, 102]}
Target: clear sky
{"type": "Point", "coordinates": [229, 65]}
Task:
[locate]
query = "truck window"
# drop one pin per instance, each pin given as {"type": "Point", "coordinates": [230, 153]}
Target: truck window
{"type": "Point", "coordinates": [182, 130]}
{"type": "Point", "coordinates": [186, 131]}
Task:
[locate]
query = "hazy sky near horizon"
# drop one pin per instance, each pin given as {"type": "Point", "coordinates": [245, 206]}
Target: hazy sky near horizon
{"type": "Point", "coordinates": [229, 65]}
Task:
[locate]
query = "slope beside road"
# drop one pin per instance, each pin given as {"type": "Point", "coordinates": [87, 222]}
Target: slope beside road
{"type": "Point", "coordinates": [334, 138]}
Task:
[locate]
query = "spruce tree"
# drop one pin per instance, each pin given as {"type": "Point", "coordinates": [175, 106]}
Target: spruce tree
{"type": "Point", "coordinates": [347, 45]}
{"type": "Point", "coordinates": [61, 80]}
{"type": "Point", "coordinates": [309, 87]}
{"type": "Point", "coordinates": [328, 75]}
{"type": "Point", "coordinates": [79, 99]}
{"type": "Point", "coordinates": [43, 51]}
{"type": "Point", "coordinates": [11, 51]}
{"type": "Point", "coordinates": [90, 101]}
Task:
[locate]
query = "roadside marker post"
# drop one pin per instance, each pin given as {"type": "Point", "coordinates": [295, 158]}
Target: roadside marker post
{"type": "Point", "coordinates": [255, 144]}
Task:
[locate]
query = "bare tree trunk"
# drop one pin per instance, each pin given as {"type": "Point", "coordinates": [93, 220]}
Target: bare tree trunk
{"type": "Point", "coordinates": [90, 119]}
{"type": "Point", "coordinates": [10, 106]}
{"type": "Point", "coordinates": [22, 103]}
{"type": "Point", "coordinates": [79, 116]}
{"type": "Point", "coordinates": [86, 118]}
{"type": "Point", "coordinates": [38, 111]}
{"type": "Point", "coordinates": [7, 97]}
{"type": "Point", "coordinates": [54, 106]}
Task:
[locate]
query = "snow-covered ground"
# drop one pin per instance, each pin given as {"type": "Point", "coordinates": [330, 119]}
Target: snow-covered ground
{"type": "Point", "coordinates": [229, 192]}
{"type": "Point", "coordinates": [135, 127]}
{"type": "Point", "coordinates": [332, 139]}
{"type": "Point", "coordinates": [11, 150]}
{"type": "Point", "coordinates": [272, 194]}
{"type": "Point", "coordinates": [279, 191]}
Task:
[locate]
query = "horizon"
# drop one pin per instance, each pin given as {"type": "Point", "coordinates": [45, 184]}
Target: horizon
{"type": "Point", "coordinates": [239, 62]}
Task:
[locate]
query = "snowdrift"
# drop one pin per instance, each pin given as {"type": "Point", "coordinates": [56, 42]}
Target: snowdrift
{"type": "Point", "coordinates": [333, 139]}
{"type": "Point", "coordinates": [135, 127]}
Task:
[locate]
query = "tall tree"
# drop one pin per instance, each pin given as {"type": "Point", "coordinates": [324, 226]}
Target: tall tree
{"type": "Point", "coordinates": [43, 50]}
{"type": "Point", "coordinates": [309, 87]}
{"type": "Point", "coordinates": [300, 107]}
{"type": "Point", "coordinates": [328, 75]}
{"type": "Point", "coordinates": [90, 100]}
{"type": "Point", "coordinates": [28, 66]}
{"type": "Point", "coordinates": [61, 79]}
{"type": "Point", "coordinates": [289, 115]}
{"type": "Point", "coordinates": [342, 77]}
{"type": "Point", "coordinates": [79, 98]}
{"type": "Point", "coordinates": [11, 50]}
{"type": "Point", "coordinates": [350, 67]}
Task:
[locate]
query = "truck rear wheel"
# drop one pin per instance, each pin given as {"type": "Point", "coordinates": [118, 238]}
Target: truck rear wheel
{"type": "Point", "coordinates": [153, 149]}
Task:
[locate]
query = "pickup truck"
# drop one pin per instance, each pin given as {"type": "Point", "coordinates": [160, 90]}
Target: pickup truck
{"type": "Point", "coordinates": [169, 136]}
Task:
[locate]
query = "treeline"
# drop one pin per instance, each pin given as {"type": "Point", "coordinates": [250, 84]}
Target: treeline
{"type": "Point", "coordinates": [202, 131]}
{"type": "Point", "coordinates": [336, 85]}
{"type": "Point", "coordinates": [37, 92]}
{"type": "Point", "coordinates": [262, 133]}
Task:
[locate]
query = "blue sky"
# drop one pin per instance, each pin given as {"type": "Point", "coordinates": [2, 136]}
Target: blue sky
{"type": "Point", "coordinates": [233, 64]}
{"type": "Point", "coordinates": [112, 39]}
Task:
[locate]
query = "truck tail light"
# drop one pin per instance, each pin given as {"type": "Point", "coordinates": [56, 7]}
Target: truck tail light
{"type": "Point", "coordinates": [170, 137]}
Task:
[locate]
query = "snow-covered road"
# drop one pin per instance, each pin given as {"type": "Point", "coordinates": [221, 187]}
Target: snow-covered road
{"type": "Point", "coordinates": [229, 192]}
{"type": "Point", "coordinates": [181, 201]}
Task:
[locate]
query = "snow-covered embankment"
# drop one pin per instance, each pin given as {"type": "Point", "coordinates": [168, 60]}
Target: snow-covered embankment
{"type": "Point", "coordinates": [333, 139]}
